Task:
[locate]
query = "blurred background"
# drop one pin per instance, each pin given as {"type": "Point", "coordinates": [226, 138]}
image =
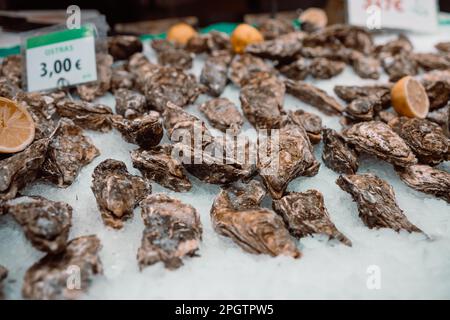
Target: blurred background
{"type": "Point", "coordinates": [202, 12]}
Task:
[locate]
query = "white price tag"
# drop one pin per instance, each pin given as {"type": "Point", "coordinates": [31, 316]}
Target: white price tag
{"type": "Point", "coordinates": [61, 59]}
{"type": "Point", "coordinates": [414, 15]}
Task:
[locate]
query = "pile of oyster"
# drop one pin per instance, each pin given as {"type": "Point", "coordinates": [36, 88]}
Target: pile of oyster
{"type": "Point", "coordinates": [150, 97]}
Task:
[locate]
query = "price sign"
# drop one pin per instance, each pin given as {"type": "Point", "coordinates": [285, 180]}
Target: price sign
{"type": "Point", "coordinates": [60, 59]}
{"type": "Point", "coordinates": [414, 15]}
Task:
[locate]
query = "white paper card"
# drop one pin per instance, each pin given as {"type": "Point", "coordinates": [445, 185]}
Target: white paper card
{"type": "Point", "coordinates": [413, 15]}
{"type": "Point", "coordinates": [60, 59]}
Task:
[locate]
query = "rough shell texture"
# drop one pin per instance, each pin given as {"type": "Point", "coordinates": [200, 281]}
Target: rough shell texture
{"type": "Point", "coordinates": [376, 202]}
{"type": "Point", "coordinates": [310, 121]}
{"type": "Point", "coordinates": [223, 115]}
{"type": "Point", "coordinates": [305, 214]}
{"type": "Point", "coordinates": [427, 179]}
{"type": "Point", "coordinates": [283, 48]}
{"type": "Point", "coordinates": [3, 276]}
{"type": "Point", "coordinates": [157, 164]}
{"type": "Point", "coordinates": [314, 96]}
{"type": "Point", "coordinates": [215, 72]}
{"type": "Point", "coordinates": [378, 139]}
{"type": "Point", "coordinates": [337, 154]}
{"type": "Point", "coordinates": [236, 214]}
{"type": "Point", "coordinates": [351, 93]}
{"type": "Point", "coordinates": [122, 47]}
{"type": "Point", "coordinates": [262, 99]}
{"type": "Point", "coordinates": [323, 68]}
{"type": "Point", "coordinates": [68, 152]}
{"type": "Point", "coordinates": [46, 223]}
{"type": "Point", "coordinates": [11, 69]}
{"type": "Point", "coordinates": [296, 70]}
{"type": "Point", "coordinates": [294, 158]}
{"type": "Point", "coordinates": [86, 115]}
{"type": "Point", "coordinates": [56, 276]}
{"type": "Point", "coordinates": [273, 28]}
{"type": "Point", "coordinates": [146, 131]}
{"type": "Point", "coordinates": [244, 66]}
{"type": "Point", "coordinates": [22, 168]}
{"type": "Point", "coordinates": [117, 192]}
{"type": "Point", "coordinates": [171, 84]}
{"type": "Point", "coordinates": [130, 104]}
{"type": "Point", "coordinates": [425, 138]}
{"type": "Point", "coordinates": [172, 231]}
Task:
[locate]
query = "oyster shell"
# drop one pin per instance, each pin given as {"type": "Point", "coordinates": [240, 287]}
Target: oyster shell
{"type": "Point", "coordinates": [86, 115]}
{"type": "Point", "coordinates": [236, 214]}
{"type": "Point", "coordinates": [117, 192]}
{"type": "Point", "coordinates": [305, 214]}
{"type": "Point", "coordinates": [337, 154]}
{"type": "Point", "coordinates": [378, 139]}
{"type": "Point", "coordinates": [376, 202]}
{"type": "Point", "coordinates": [223, 115]}
{"type": "Point", "coordinates": [46, 223]}
{"type": "Point", "coordinates": [49, 278]}
{"type": "Point", "coordinates": [172, 231]}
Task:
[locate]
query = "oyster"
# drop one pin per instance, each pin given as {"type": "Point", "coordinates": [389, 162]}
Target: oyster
{"type": "Point", "coordinates": [90, 91]}
{"type": "Point", "coordinates": [21, 168]}
{"type": "Point", "coordinates": [46, 223]}
{"type": "Point", "coordinates": [376, 202]}
{"type": "Point", "coordinates": [69, 150]}
{"type": "Point", "coordinates": [377, 138]}
{"type": "Point", "coordinates": [146, 131]}
{"type": "Point", "coordinates": [273, 28]}
{"type": "Point", "coordinates": [262, 99]}
{"type": "Point", "coordinates": [431, 61]}
{"type": "Point", "coordinates": [367, 67]}
{"type": "Point", "coordinates": [170, 84]}
{"type": "Point", "coordinates": [323, 68]}
{"type": "Point", "coordinates": [337, 154]}
{"type": "Point", "coordinates": [443, 47]}
{"type": "Point", "coordinates": [283, 48]}
{"type": "Point", "coordinates": [86, 115]}
{"type": "Point", "coordinates": [117, 192]}
{"type": "Point", "coordinates": [427, 179]}
{"type": "Point", "coordinates": [314, 96]}
{"type": "Point", "coordinates": [157, 164]}
{"type": "Point", "coordinates": [210, 159]}
{"type": "Point", "coordinates": [351, 37]}
{"type": "Point", "coordinates": [399, 66]}
{"type": "Point", "coordinates": [223, 115]}
{"type": "Point", "coordinates": [122, 47]}
{"type": "Point", "coordinates": [236, 214]}
{"type": "Point", "coordinates": [244, 66]}
{"type": "Point", "coordinates": [11, 68]}
{"type": "Point", "coordinates": [438, 93]}
{"type": "Point", "coordinates": [141, 69]}
{"type": "Point", "coordinates": [351, 93]}
{"type": "Point", "coordinates": [171, 54]}
{"type": "Point", "coordinates": [209, 42]}
{"type": "Point", "coordinates": [7, 89]}
{"type": "Point", "coordinates": [296, 70]}
{"type": "Point", "coordinates": [425, 138]}
{"type": "Point", "coordinates": [130, 104]}
{"type": "Point", "coordinates": [122, 79]}
{"type": "Point", "coordinates": [3, 276]}
{"type": "Point", "coordinates": [364, 109]}
{"type": "Point", "coordinates": [310, 121]}
{"type": "Point", "coordinates": [442, 118]}
{"type": "Point", "coordinates": [172, 231]}
{"type": "Point", "coordinates": [294, 158]}
{"type": "Point", "coordinates": [50, 277]}
{"type": "Point", "coordinates": [215, 72]}
{"type": "Point", "coordinates": [305, 214]}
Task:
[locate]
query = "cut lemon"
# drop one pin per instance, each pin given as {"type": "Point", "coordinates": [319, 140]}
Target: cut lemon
{"type": "Point", "coordinates": [314, 16]}
{"type": "Point", "coordinates": [409, 98]}
{"type": "Point", "coordinates": [16, 127]}
{"type": "Point", "coordinates": [181, 33]}
{"type": "Point", "coordinates": [243, 35]}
